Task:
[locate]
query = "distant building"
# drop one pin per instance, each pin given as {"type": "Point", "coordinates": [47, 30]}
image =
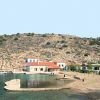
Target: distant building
{"type": "Point", "coordinates": [96, 67]}
{"type": "Point", "coordinates": [31, 60]}
{"type": "Point", "coordinates": [84, 67]}
{"type": "Point", "coordinates": [61, 65]}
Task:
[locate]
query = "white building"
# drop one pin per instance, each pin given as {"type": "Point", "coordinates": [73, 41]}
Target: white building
{"type": "Point", "coordinates": [34, 65]}
{"type": "Point", "coordinates": [61, 65]}
{"type": "Point", "coordinates": [31, 60]}
{"type": "Point", "coordinates": [96, 67]}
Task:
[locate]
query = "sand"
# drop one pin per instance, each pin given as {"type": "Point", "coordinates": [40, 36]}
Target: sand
{"type": "Point", "coordinates": [90, 86]}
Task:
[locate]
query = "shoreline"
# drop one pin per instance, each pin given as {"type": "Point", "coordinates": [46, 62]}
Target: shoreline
{"type": "Point", "coordinates": [84, 85]}
{"type": "Point", "coordinates": [89, 86]}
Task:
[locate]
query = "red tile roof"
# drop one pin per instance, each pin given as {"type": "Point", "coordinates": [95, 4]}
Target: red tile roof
{"type": "Point", "coordinates": [51, 65]}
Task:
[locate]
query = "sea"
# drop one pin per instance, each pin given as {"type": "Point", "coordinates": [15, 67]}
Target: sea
{"type": "Point", "coordinates": [38, 81]}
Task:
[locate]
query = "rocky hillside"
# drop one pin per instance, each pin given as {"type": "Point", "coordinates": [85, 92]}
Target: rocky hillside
{"type": "Point", "coordinates": [56, 47]}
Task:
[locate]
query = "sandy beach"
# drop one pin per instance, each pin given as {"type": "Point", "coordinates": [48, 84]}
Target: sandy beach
{"type": "Point", "coordinates": [90, 86]}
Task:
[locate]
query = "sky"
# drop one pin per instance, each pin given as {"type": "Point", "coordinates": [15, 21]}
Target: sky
{"type": "Point", "coordinates": [74, 17]}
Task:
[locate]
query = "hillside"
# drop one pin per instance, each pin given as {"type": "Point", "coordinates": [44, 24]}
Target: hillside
{"type": "Point", "coordinates": [69, 49]}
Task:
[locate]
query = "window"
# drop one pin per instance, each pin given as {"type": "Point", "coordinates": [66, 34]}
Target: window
{"type": "Point", "coordinates": [30, 60]}
{"type": "Point", "coordinates": [35, 69]}
{"type": "Point", "coordinates": [96, 68]}
{"type": "Point", "coordinates": [41, 69]}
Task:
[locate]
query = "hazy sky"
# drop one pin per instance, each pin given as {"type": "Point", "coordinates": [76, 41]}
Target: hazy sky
{"type": "Point", "coordinates": [76, 17]}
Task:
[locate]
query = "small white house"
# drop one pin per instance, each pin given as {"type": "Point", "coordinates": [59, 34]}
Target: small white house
{"type": "Point", "coordinates": [96, 67]}
{"type": "Point", "coordinates": [31, 60]}
{"type": "Point", "coordinates": [84, 68]}
{"type": "Point", "coordinates": [61, 65]}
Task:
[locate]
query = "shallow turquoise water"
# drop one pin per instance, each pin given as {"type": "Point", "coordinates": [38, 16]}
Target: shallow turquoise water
{"type": "Point", "coordinates": [64, 94]}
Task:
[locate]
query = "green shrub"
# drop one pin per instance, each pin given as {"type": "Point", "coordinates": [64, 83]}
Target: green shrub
{"type": "Point", "coordinates": [30, 34]}
{"type": "Point", "coordinates": [95, 41]}
{"type": "Point", "coordinates": [89, 67]}
{"type": "Point", "coordinates": [63, 41]}
{"type": "Point", "coordinates": [65, 45]}
{"type": "Point", "coordinates": [86, 54]}
{"type": "Point", "coordinates": [98, 62]}
{"type": "Point", "coordinates": [2, 39]}
{"type": "Point", "coordinates": [68, 52]}
{"type": "Point", "coordinates": [73, 68]}
{"type": "Point", "coordinates": [48, 43]}
{"type": "Point", "coordinates": [15, 38]}
{"type": "Point", "coordinates": [44, 35]}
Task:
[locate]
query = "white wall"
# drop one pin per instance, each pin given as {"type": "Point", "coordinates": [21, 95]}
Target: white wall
{"type": "Point", "coordinates": [31, 60]}
{"type": "Point", "coordinates": [61, 65]}
{"type": "Point", "coordinates": [37, 68]}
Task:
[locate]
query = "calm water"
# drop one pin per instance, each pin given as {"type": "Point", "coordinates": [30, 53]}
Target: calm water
{"type": "Point", "coordinates": [36, 81]}
{"type": "Point", "coordinates": [41, 81]}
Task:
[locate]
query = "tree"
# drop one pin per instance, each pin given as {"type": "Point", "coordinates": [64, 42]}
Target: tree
{"type": "Point", "coordinates": [98, 62]}
{"type": "Point", "coordinates": [73, 68]}
{"type": "Point", "coordinates": [78, 68]}
{"type": "Point", "coordinates": [89, 67]}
